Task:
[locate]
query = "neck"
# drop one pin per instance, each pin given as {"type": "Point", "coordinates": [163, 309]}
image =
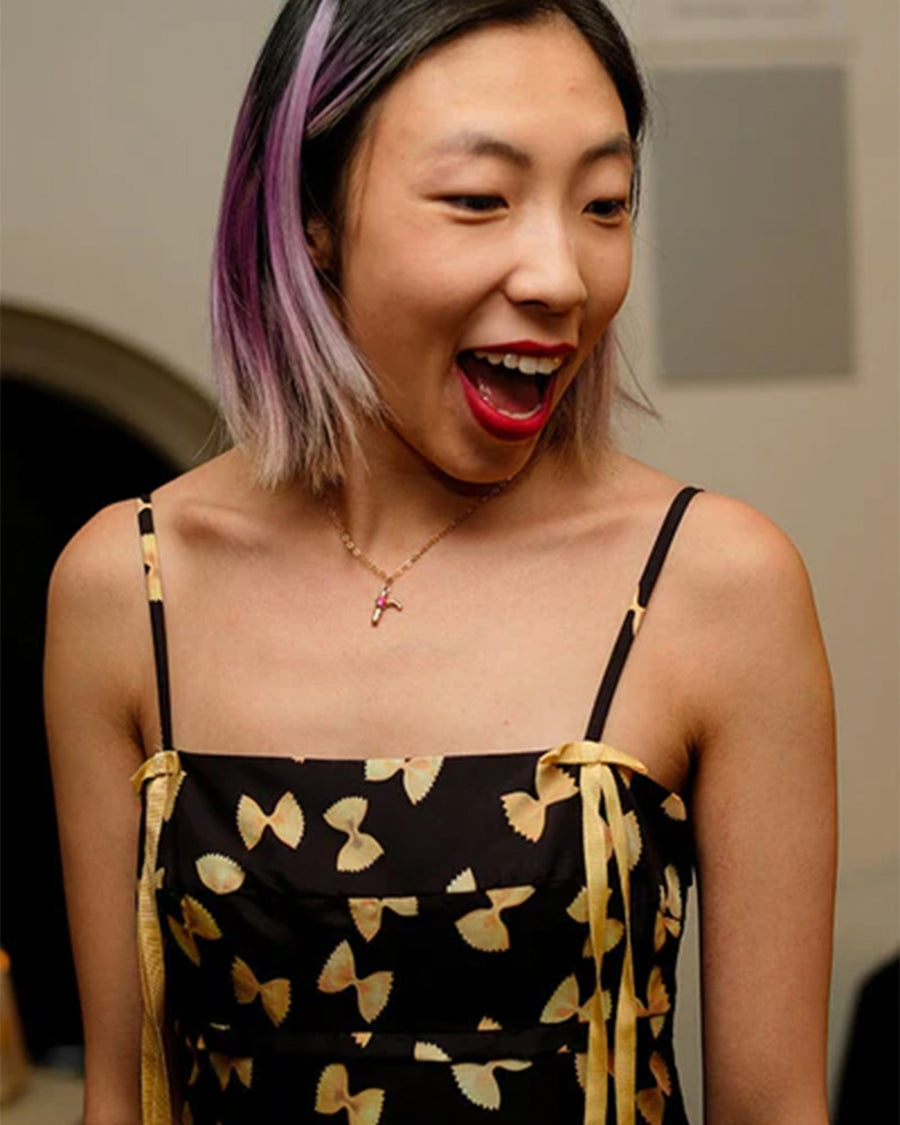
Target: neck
{"type": "Point", "coordinates": [392, 500]}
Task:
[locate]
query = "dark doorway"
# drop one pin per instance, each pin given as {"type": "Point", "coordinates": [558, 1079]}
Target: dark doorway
{"type": "Point", "coordinates": [61, 462]}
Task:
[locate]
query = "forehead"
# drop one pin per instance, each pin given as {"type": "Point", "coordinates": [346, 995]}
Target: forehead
{"type": "Point", "coordinates": [537, 83]}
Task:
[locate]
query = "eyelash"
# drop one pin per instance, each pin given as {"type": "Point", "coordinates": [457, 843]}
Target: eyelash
{"type": "Point", "coordinates": [473, 202]}
{"type": "Point", "coordinates": [613, 208]}
{"type": "Point", "coordinates": [483, 204]}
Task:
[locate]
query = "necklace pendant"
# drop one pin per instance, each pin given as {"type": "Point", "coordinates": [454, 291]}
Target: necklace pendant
{"type": "Point", "coordinates": [384, 601]}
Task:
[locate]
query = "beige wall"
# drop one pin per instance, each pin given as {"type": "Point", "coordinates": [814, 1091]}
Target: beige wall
{"type": "Point", "coordinates": [116, 117]}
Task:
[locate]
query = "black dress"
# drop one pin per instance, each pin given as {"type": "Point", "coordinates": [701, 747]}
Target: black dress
{"type": "Point", "coordinates": [488, 937]}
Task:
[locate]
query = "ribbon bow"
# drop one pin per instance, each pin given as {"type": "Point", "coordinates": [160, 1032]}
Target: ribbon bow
{"type": "Point", "coordinates": [361, 850]}
{"type": "Point", "coordinates": [285, 820]}
{"type": "Point", "coordinates": [372, 991]}
{"type": "Point", "coordinates": [367, 912]}
{"type": "Point", "coordinates": [275, 994]}
{"type": "Point", "coordinates": [162, 774]}
{"type": "Point", "coordinates": [598, 781]}
{"type": "Point", "coordinates": [526, 814]}
{"type": "Point", "coordinates": [419, 774]}
{"type": "Point", "coordinates": [333, 1095]}
{"type": "Point", "coordinates": [484, 929]}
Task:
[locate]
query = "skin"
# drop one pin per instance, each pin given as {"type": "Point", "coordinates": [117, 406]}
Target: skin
{"type": "Point", "coordinates": [508, 621]}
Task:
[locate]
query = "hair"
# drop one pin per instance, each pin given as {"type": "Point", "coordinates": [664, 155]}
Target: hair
{"type": "Point", "coordinates": [293, 387]}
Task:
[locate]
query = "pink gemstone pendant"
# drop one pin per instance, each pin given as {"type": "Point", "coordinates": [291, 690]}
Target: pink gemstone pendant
{"type": "Point", "coordinates": [384, 601]}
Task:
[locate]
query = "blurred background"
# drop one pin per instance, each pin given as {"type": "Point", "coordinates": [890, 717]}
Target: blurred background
{"type": "Point", "coordinates": [763, 324]}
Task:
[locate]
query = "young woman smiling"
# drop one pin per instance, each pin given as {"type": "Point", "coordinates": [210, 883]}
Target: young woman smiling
{"type": "Point", "coordinates": [416, 826]}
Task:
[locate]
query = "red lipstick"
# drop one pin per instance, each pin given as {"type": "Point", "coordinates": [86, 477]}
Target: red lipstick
{"type": "Point", "coordinates": [500, 425]}
{"type": "Point", "coordinates": [528, 347]}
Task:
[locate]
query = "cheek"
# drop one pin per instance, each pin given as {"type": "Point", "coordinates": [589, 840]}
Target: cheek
{"type": "Point", "coordinates": [610, 279]}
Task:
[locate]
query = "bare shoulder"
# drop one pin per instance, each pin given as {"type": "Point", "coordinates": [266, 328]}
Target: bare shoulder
{"type": "Point", "coordinates": [736, 564]}
{"type": "Point", "coordinates": [99, 569]}
{"type": "Point", "coordinates": [751, 634]}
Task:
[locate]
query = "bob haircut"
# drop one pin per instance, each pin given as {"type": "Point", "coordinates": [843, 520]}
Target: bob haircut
{"type": "Point", "coordinates": [293, 387]}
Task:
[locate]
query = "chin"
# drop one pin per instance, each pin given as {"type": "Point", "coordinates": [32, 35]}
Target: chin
{"type": "Point", "coordinates": [485, 467]}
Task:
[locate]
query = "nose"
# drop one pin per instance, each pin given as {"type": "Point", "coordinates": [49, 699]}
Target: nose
{"type": "Point", "coordinates": [546, 273]}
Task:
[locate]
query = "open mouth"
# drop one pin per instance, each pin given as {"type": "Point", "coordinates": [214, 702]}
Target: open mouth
{"type": "Point", "coordinates": [514, 386]}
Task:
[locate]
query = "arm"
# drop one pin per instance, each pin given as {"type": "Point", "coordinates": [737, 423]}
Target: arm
{"type": "Point", "coordinates": [764, 808]}
{"type": "Point", "coordinates": [96, 631]}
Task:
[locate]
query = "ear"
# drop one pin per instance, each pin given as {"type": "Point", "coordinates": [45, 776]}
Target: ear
{"type": "Point", "coordinates": [320, 241]}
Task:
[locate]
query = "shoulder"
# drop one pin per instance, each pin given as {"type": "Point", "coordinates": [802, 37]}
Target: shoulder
{"type": "Point", "coordinates": [99, 568]}
{"type": "Point", "coordinates": [750, 637]}
{"type": "Point", "coordinates": [734, 562]}
{"type": "Point", "coordinates": [722, 550]}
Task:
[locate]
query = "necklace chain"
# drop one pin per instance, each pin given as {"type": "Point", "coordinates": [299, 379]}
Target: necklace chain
{"type": "Point", "coordinates": [384, 600]}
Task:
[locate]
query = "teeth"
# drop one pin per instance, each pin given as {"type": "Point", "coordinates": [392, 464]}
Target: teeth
{"type": "Point", "coordinates": [526, 364]}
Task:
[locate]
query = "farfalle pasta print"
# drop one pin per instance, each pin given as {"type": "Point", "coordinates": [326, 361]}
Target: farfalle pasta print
{"type": "Point", "coordinates": [419, 774]}
{"type": "Point", "coordinates": [361, 850]}
{"type": "Point", "coordinates": [333, 1095]}
{"type": "Point", "coordinates": [527, 814]}
{"type": "Point", "coordinates": [285, 821]}
{"type": "Point", "coordinates": [372, 991]}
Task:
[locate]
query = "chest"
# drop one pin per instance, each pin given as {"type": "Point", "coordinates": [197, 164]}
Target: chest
{"type": "Point", "coordinates": [487, 652]}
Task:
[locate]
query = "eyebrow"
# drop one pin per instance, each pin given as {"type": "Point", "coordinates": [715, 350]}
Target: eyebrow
{"type": "Point", "coordinates": [483, 144]}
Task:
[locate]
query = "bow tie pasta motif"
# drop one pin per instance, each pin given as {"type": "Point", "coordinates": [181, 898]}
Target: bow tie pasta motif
{"type": "Point", "coordinates": [462, 883]}
{"type": "Point", "coordinates": [651, 1103]}
{"type": "Point", "coordinates": [673, 806]}
{"type": "Point", "coordinates": [150, 553]}
{"type": "Point", "coordinates": [372, 992]}
{"type": "Point", "coordinates": [274, 994]}
{"type": "Point", "coordinates": [219, 873]}
{"type": "Point", "coordinates": [224, 1066]}
{"type": "Point", "coordinates": [671, 909]}
{"type": "Point", "coordinates": [333, 1095]}
{"type": "Point", "coordinates": [478, 1083]}
{"type": "Point", "coordinates": [419, 774]}
{"type": "Point", "coordinates": [361, 850]}
{"type": "Point", "coordinates": [285, 821]}
{"type": "Point", "coordinates": [579, 910]}
{"type": "Point", "coordinates": [527, 814]}
{"type": "Point", "coordinates": [484, 929]}
{"type": "Point", "coordinates": [633, 838]}
{"type": "Point", "coordinates": [423, 1051]}
{"type": "Point", "coordinates": [564, 1004]}
{"type": "Point", "coordinates": [658, 1003]}
{"type": "Point", "coordinates": [367, 912]}
{"type": "Point", "coordinates": [196, 921]}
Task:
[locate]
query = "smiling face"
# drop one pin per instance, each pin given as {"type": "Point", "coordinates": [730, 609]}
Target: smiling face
{"type": "Point", "coordinates": [487, 241]}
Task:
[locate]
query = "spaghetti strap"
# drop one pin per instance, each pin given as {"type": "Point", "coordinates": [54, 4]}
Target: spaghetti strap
{"type": "Point", "coordinates": [635, 614]}
{"type": "Point", "coordinates": [150, 553]}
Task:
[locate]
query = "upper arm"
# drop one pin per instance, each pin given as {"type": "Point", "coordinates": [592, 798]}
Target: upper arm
{"type": "Point", "coordinates": [764, 815]}
{"type": "Point", "coordinates": [96, 631]}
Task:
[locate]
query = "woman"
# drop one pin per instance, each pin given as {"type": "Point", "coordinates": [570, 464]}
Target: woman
{"type": "Point", "coordinates": [358, 892]}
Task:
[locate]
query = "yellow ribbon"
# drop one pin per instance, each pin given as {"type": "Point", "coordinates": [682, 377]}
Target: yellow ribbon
{"type": "Point", "coordinates": [598, 779]}
{"type": "Point", "coordinates": [160, 773]}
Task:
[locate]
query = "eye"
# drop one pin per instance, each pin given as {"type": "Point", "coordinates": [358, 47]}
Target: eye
{"type": "Point", "coordinates": [480, 204]}
{"type": "Point", "coordinates": [609, 209]}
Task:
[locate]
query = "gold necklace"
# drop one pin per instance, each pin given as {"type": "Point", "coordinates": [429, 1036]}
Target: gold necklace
{"type": "Point", "coordinates": [383, 599]}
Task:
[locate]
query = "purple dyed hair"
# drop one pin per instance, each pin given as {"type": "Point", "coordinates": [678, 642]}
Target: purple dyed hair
{"type": "Point", "coordinates": [293, 387]}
